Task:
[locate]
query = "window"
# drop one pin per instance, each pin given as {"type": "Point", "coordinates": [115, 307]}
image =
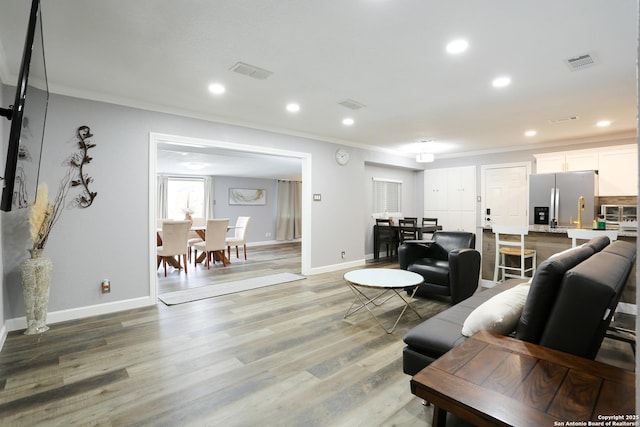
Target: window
{"type": "Point", "coordinates": [185, 194]}
{"type": "Point", "coordinates": [387, 196]}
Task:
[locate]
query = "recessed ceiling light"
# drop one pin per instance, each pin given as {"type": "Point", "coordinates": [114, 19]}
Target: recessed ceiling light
{"type": "Point", "coordinates": [603, 123]}
{"type": "Point", "coordinates": [293, 107]}
{"type": "Point", "coordinates": [348, 121]}
{"type": "Point", "coordinates": [531, 133]}
{"type": "Point", "coordinates": [457, 46]}
{"type": "Point", "coordinates": [216, 88]}
{"type": "Point", "coordinates": [501, 81]}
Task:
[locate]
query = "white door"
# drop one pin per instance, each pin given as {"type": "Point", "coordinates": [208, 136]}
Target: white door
{"type": "Point", "coordinates": [506, 195]}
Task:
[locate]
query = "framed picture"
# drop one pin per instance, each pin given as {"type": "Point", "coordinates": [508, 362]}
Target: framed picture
{"type": "Point", "coordinates": [247, 196]}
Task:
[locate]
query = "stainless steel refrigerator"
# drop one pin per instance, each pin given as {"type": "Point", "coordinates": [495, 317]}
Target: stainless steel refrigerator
{"type": "Point", "coordinates": [554, 197]}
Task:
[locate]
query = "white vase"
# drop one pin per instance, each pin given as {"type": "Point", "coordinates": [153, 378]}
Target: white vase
{"type": "Point", "coordinates": [36, 280]}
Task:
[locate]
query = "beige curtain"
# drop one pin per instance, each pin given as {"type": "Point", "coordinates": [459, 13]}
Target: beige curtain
{"type": "Point", "coordinates": [289, 216]}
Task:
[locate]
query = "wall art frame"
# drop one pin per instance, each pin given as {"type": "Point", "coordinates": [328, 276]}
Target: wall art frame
{"type": "Point", "coordinates": [247, 196]}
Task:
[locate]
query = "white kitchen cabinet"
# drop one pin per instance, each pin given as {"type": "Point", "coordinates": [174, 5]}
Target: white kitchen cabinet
{"type": "Point", "coordinates": [450, 196]}
{"type": "Point", "coordinates": [618, 171]}
{"type": "Point", "coordinates": [617, 167]}
{"type": "Point", "coordinates": [435, 188]}
{"type": "Point", "coordinates": [568, 161]}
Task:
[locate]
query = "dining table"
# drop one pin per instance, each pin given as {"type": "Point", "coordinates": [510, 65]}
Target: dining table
{"type": "Point", "coordinates": [420, 231]}
{"type": "Point", "coordinates": [201, 231]}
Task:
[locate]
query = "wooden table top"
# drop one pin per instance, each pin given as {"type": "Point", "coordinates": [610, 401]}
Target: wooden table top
{"type": "Point", "coordinates": [494, 380]}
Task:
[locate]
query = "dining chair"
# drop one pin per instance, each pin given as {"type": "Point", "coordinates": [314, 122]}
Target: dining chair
{"type": "Point", "coordinates": [193, 236]}
{"type": "Point", "coordinates": [239, 236]}
{"type": "Point", "coordinates": [408, 229]}
{"type": "Point", "coordinates": [174, 243]}
{"type": "Point", "coordinates": [386, 235]}
{"type": "Point", "coordinates": [214, 240]}
{"type": "Point", "coordinates": [510, 242]}
{"type": "Point", "coordinates": [430, 221]}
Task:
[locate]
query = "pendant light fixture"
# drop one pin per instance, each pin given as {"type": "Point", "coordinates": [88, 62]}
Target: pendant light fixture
{"type": "Point", "coordinates": [424, 156]}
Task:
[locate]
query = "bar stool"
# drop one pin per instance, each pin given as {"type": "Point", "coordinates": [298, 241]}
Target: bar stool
{"type": "Point", "coordinates": [512, 246]}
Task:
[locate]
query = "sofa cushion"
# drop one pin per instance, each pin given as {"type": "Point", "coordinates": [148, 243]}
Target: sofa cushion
{"type": "Point", "coordinates": [588, 296]}
{"type": "Point", "coordinates": [440, 333]}
{"type": "Point", "coordinates": [622, 248]}
{"type": "Point", "coordinates": [499, 314]}
{"type": "Point", "coordinates": [598, 243]}
{"type": "Point", "coordinates": [544, 289]}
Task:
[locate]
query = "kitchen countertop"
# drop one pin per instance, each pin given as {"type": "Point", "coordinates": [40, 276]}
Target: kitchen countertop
{"type": "Point", "coordinates": [563, 230]}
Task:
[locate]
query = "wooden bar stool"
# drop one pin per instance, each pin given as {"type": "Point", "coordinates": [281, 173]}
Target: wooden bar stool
{"type": "Point", "coordinates": [510, 242]}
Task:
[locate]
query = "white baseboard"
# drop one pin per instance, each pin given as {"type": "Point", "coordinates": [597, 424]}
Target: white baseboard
{"type": "Point", "coordinates": [82, 312]}
{"type": "Point", "coordinates": [272, 242]}
{"type": "Point", "coordinates": [336, 267]}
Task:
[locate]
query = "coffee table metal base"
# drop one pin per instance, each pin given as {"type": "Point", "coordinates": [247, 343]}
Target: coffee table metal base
{"type": "Point", "coordinates": [385, 291]}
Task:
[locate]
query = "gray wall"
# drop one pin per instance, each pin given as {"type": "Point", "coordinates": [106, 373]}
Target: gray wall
{"type": "Point", "coordinates": [412, 187]}
{"type": "Point", "coordinates": [110, 239]}
{"type": "Point", "coordinates": [263, 217]}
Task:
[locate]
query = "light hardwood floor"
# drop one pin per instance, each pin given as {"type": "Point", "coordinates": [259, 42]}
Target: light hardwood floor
{"type": "Point", "coordinates": [277, 356]}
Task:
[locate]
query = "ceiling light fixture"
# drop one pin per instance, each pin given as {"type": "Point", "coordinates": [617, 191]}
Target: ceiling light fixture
{"type": "Point", "coordinates": [603, 123]}
{"type": "Point", "coordinates": [293, 107]}
{"type": "Point", "coordinates": [457, 46]}
{"type": "Point", "coordinates": [501, 81]}
{"type": "Point", "coordinates": [530, 133]}
{"type": "Point", "coordinates": [216, 88]}
{"type": "Point", "coordinates": [424, 156]}
{"type": "Point", "coordinates": [348, 121]}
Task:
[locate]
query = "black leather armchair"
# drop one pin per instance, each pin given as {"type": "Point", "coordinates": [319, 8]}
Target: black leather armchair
{"type": "Point", "coordinates": [449, 264]}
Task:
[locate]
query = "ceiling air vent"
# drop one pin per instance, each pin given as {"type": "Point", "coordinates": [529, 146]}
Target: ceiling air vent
{"type": "Point", "coordinates": [581, 62]}
{"type": "Point", "coordinates": [564, 119]}
{"type": "Point", "coordinates": [251, 71]}
{"type": "Point", "coordinates": [351, 104]}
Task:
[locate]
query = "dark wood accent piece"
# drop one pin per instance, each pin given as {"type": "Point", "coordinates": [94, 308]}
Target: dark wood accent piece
{"type": "Point", "coordinates": [493, 380]}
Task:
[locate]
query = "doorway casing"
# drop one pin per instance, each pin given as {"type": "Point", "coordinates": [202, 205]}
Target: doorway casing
{"type": "Point", "coordinates": [155, 138]}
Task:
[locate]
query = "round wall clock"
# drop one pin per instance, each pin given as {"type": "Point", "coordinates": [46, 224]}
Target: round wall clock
{"type": "Point", "coordinates": [342, 156]}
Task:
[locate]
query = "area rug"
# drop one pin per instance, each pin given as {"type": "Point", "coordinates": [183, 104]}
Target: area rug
{"type": "Point", "coordinates": [203, 292]}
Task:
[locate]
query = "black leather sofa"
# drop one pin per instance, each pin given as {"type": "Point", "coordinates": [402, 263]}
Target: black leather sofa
{"type": "Point", "coordinates": [448, 262]}
{"type": "Point", "coordinates": [572, 298]}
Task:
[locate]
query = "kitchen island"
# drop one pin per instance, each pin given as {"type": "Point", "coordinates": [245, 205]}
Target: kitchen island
{"type": "Point", "coordinates": [548, 241]}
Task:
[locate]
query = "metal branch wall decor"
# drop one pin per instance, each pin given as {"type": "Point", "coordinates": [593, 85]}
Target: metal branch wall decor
{"type": "Point", "coordinates": [78, 160]}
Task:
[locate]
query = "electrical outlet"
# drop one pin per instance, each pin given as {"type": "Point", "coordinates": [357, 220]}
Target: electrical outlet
{"type": "Point", "coordinates": [343, 254]}
{"type": "Point", "coordinates": [106, 286]}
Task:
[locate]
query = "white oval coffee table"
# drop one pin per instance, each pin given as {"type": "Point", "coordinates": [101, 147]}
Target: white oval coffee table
{"type": "Point", "coordinates": [386, 280]}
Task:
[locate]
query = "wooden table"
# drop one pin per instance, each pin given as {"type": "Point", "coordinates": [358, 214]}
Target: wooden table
{"type": "Point", "coordinates": [421, 229]}
{"type": "Point", "coordinates": [493, 380]}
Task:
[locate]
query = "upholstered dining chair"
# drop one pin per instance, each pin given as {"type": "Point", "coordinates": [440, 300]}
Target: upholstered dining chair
{"type": "Point", "coordinates": [239, 236]}
{"type": "Point", "coordinates": [193, 236]}
{"type": "Point", "coordinates": [214, 240]}
{"type": "Point", "coordinates": [174, 243]}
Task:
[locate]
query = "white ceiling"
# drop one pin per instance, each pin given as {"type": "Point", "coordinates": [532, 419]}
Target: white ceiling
{"type": "Point", "coordinates": [386, 54]}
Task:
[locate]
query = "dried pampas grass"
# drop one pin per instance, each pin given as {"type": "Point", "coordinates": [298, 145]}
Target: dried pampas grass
{"type": "Point", "coordinates": [44, 213]}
